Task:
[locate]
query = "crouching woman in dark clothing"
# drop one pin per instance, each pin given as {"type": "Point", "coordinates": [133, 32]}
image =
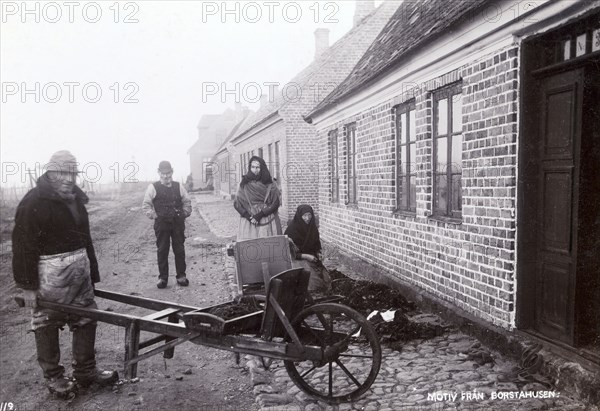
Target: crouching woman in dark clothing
{"type": "Point", "coordinates": [304, 233]}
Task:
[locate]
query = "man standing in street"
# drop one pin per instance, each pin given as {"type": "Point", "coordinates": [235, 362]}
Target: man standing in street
{"type": "Point", "coordinates": [168, 204]}
{"type": "Point", "coordinates": [54, 259]}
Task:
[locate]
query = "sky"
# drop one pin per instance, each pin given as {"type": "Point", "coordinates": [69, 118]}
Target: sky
{"type": "Point", "coordinates": [122, 85]}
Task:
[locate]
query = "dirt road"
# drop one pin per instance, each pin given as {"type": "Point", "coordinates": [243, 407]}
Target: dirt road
{"type": "Point", "coordinates": [196, 378]}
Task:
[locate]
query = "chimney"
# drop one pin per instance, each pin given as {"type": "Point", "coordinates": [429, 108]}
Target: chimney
{"type": "Point", "coordinates": [363, 9]}
{"type": "Point", "coordinates": [321, 41]}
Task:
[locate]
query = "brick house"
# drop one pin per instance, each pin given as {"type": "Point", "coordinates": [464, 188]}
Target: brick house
{"type": "Point", "coordinates": [213, 129]}
{"type": "Point", "coordinates": [277, 131]}
{"type": "Point", "coordinates": [460, 157]}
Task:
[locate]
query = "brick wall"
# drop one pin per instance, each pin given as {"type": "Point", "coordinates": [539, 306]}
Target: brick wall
{"type": "Point", "coordinates": [471, 262]}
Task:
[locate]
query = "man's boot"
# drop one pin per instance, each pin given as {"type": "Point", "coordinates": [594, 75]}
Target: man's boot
{"type": "Point", "coordinates": [48, 355]}
{"type": "Point", "coordinates": [84, 359]}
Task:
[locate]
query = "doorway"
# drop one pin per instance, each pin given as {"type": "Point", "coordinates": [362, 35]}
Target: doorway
{"type": "Point", "coordinates": [558, 247]}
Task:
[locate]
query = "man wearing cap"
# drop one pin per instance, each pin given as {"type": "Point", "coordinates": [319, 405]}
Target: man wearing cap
{"type": "Point", "coordinates": [54, 259]}
{"type": "Point", "coordinates": [168, 204]}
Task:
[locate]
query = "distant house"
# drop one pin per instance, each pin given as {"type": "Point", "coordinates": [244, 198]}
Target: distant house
{"type": "Point", "coordinates": [277, 131]}
{"type": "Point", "coordinates": [462, 155]}
{"type": "Point", "coordinates": [213, 129]}
{"type": "Point", "coordinates": [226, 176]}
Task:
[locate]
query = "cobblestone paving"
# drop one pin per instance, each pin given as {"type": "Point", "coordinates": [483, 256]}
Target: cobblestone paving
{"type": "Point", "coordinates": [219, 214]}
{"type": "Point", "coordinates": [433, 374]}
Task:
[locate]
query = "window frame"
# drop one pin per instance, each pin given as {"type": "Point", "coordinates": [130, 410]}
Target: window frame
{"type": "Point", "coordinates": [334, 164]}
{"type": "Point", "coordinates": [403, 154]}
{"type": "Point", "coordinates": [452, 211]}
{"type": "Point", "coordinates": [270, 154]}
{"type": "Point", "coordinates": [351, 166]}
{"type": "Point", "coordinates": [276, 174]}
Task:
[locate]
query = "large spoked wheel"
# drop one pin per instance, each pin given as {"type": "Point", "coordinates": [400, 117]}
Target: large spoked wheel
{"type": "Point", "coordinates": [352, 353]}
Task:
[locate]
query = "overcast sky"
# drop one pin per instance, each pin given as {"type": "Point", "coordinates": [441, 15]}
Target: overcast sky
{"type": "Point", "coordinates": [151, 61]}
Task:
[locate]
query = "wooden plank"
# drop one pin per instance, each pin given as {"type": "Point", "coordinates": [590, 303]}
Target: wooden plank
{"type": "Point", "coordinates": [289, 289]}
{"type": "Point", "coordinates": [169, 353]}
{"type": "Point", "coordinates": [99, 315]}
{"type": "Point", "coordinates": [285, 322]}
{"type": "Point", "coordinates": [168, 346]}
{"type": "Point", "coordinates": [266, 273]}
{"type": "Point", "coordinates": [256, 346]}
{"type": "Point", "coordinates": [141, 301]}
{"type": "Point", "coordinates": [250, 254]}
{"type": "Point", "coordinates": [152, 341]}
{"type": "Point", "coordinates": [158, 327]}
{"type": "Point", "coordinates": [161, 314]}
{"type": "Point", "coordinates": [132, 344]}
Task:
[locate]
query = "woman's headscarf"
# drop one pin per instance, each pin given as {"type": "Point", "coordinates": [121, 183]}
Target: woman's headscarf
{"type": "Point", "coordinates": [264, 176]}
{"type": "Point", "coordinates": [305, 236]}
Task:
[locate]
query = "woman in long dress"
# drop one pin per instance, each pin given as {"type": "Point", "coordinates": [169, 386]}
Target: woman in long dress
{"type": "Point", "coordinates": [303, 231]}
{"type": "Point", "coordinates": [257, 202]}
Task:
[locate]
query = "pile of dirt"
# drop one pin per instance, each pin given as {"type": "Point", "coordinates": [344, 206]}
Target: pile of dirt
{"type": "Point", "coordinates": [368, 297]}
{"type": "Point", "coordinates": [336, 275]}
{"type": "Point", "coordinates": [235, 309]}
{"type": "Point", "coordinates": [402, 329]}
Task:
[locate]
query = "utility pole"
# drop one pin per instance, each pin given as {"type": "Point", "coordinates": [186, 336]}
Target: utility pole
{"type": "Point", "coordinates": [32, 177]}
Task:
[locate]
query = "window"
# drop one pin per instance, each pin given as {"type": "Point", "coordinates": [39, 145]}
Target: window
{"type": "Point", "coordinates": [351, 162]}
{"type": "Point", "coordinates": [406, 154]}
{"type": "Point", "coordinates": [335, 174]}
{"type": "Point", "coordinates": [447, 152]}
{"type": "Point", "coordinates": [577, 44]}
{"type": "Point", "coordinates": [260, 152]}
{"type": "Point", "coordinates": [270, 159]}
{"type": "Point", "coordinates": [276, 173]}
{"type": "Point", "coordinates": [208, 172]}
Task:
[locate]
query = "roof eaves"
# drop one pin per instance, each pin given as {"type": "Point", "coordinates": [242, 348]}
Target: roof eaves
{"type": "Point", "coordinates": [397, 60]}
{"type": "Point", "coordinates": [255, 125]}
{"type": "Point", "coordinates": [231, 135]}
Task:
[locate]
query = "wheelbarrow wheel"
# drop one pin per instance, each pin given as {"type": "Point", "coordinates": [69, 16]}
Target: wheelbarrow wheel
{"type": "Point", "coordinates": [352, 353]}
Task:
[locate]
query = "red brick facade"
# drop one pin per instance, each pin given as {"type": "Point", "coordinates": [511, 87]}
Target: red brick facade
{"type": "Point", "coordinates": [469, 262]}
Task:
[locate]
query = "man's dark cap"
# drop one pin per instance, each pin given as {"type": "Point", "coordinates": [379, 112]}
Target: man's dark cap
{"type": "Point", "coordinates": [164, 167]}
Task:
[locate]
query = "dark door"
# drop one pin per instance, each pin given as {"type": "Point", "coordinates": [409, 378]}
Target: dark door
{"type": "Point", "coordinates": [560, 101]}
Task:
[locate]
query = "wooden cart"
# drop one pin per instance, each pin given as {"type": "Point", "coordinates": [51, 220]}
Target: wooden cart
{"type": "Point", "coordinates": [329, 350]}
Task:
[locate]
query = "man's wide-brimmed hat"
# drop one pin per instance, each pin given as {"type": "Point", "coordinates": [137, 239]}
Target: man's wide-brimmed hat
{"type": "Point", "coordinates": [63, 161]}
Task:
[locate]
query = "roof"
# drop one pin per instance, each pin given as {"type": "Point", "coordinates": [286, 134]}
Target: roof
{"type": "Point", "coordinates": [213, 129]}
{"type": "Point", "coordinates": [415, 24]}
{"type": "Point", "coordinates": [332, 66]}
{"type": "Point", "coordinates": [231, 134]}
{"type": "Point", "coordinates": [207, 120]}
